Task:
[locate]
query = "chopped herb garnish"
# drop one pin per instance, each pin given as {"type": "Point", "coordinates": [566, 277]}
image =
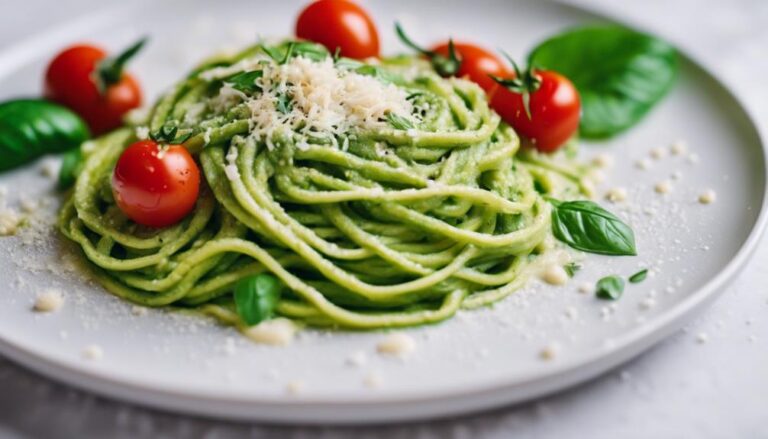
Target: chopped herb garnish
{"type": "Point", "coordinates": [169, 133]}
{"type": "Point", "coordinates": [571, 268]}
{"type": "Point", "coordinates": [245, 81]}
{"type": "Point", "coordinates": [281, 54]}
{"type": "Point", "coordinates": [284, 103]}
{"type": "Point", "coordinates": [610, 287]}
{"type": "Point", "coordinates": [639, 276]}
{"type": "Point", "coordinates": [399, 122]}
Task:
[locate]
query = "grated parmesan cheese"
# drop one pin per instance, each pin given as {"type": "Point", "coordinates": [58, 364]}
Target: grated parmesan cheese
{"type": "Point", "coordinates": [327, 102]}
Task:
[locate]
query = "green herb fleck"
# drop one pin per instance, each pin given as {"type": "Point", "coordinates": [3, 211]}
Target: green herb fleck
{"type": "Point", "coordinates": [256, 297]}
{"type": "Point", "coordinates": [284, 103]}
{"type": "Point", "coordinates": [571, 268]}
{"type": "Point", "coordinates": [610, 287]}
{"type": "Point", "coordinates": [169, 133]}
{"type": "Point", "coordinates": [399, 122]}
{"type": "Point", "coordinates": [639, 276]}
{"type": "Point", "coordinates": [245, 81]}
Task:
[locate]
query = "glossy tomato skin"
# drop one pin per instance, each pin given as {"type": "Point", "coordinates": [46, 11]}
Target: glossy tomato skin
{"type": "Point", "coordinates": [70, 81]}
{"type": "Point", "coordinates": [476, 64]}
{"type": "Point", "coordinates": [342, 24]}
{"type": "Point", "coordinates": [555, 111]}
{"type": "Point", "coordinates": [156, 188]}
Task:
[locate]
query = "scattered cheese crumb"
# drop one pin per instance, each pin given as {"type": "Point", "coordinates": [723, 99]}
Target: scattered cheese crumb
{"type": "Point", "coordinates": [50, 168]}
{"type": "Point", "coordinates": [663, 187]}
{"type": "Point", "coordinates": [397, 343]}
{"type": "Point", "coordinates": [93, 352]}
{"type": "Point", "coordinates": [603, 161]}
{"type": "Point", "coordinates": [643, 164]}
{"type": "Point", "coordinates": [693, 158]}
{"type": "Point", "coordinates": [357, 359]}
{"type": "Point", "coordinates": [142, 133]}
{"type": "Point", "coordinates": [702, 338]}
{"type": "Point", "coordinates": [707, 197]}
{"type": "Point", "coordinates": [586, 288]}
{"type": "Point", "coordinates": [647, 303]}
{"type": "Point", "coordinates": [550, 351]}
{"type": "Point", "coordinates": [9, 222]}
{"type": "Point", "coordinates": [678, 148]}
{"type": "Point", "coordinates": [49, 301]}
{"type": "Point", "coordinates": [28, 205]}
{"type": "Point", "coordinates": [571, 312]}
{"type": "Point", "coordinates": [294, 387]}
{"type": "Point", "coordinates": [658, 153]}
{"type": "Point", "coordinates": [138, 310]}
{"type": "Point", "coordinates": [372, 380]}
{"type": "Point", "coordinates": [616, 195]}
{"type": "Point", "coordinates": [276, 332]}
{"type": "Point", "coordinates": [554, 274]}
{"type": "Point", "coordinates": [597, 176]}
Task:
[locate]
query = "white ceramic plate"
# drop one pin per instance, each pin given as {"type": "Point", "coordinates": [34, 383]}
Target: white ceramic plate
{"type": "Point", "coordinates": [477, 360]}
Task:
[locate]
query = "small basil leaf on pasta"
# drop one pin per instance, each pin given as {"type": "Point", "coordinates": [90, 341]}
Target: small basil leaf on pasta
{"type": "Point", "coordinates": [639, 276]}
{"type": "Point", "coordinates": [256, 298]}
{"type": "Point", "coordinates": [31, 128]}
{"type": "Point", "coordinates": [245, 81]}
{"type": "Point", "coordinates": [620, 73]}
{"type": "Point", "coordinates": [586, 226]}
{"type": "Point", "coordinates": [610, 288]}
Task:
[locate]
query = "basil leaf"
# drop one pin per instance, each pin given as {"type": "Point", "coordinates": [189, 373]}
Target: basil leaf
{"type": "Point", "coordinates": [245, 81]}
{"type": "Point", "coordinates": [610, 288]}
{"type": "Point", "coordinates": [309, 50]}
{"type": "Point", "coordinates": [621, 74]}
{"type": "Point", "coordinates": [639, 276]}
{"type": "Point", "coordinates": [586, 226]}
{"type": "Point", "coordinates": [31, 128]}
{"type": "Point", "coordinates": [71, 166]}
{"type": "Point", "coordinates": [256, 297]}
{"type": "Point", "coordinates": [399, 122]}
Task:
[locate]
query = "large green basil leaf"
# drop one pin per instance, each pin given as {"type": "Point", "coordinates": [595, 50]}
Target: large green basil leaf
{"type": "Point", "coordinates": [586, 226]}
{"type": "Point", "coordinates": [31, 128]}
{"type": "Point", "coordinates": [256, 297]}
{"type": "Point", "coordinates": [620, 74]}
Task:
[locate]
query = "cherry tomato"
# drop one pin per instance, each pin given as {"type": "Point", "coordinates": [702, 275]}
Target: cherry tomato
{"type": "Point", "coordinates": [555, 109]}
{"type": "Point", "coordinates": [476, 63]}
{"type": "Point", "coordinates": [71, 81]}
{"type": "Point", "coordinates": [339, 24]}
{"type": "Point", "coordinates": [156, 186]}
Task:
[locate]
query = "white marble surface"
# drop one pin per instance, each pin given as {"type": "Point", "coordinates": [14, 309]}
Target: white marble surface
{"type": "Point", "coordinates": [682, 388]}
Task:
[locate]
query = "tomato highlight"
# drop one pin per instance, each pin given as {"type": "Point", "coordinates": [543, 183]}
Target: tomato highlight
{"type": "Point", "coordinates": [156, 186]}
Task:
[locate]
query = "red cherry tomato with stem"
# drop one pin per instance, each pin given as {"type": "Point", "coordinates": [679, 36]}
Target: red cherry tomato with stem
{"type": "Point", "coordinates": [156, 186]}
{"type": "Point", "coordinates": [476, 63]}
{"type": "Point", "coordinates": [461, 59]}
{"type": "Point", "coordinates": [93, 85]}
{"type": "Point", "coordinates": [542, 106]}
{"type": "Point", "coordinates": [339, 24]}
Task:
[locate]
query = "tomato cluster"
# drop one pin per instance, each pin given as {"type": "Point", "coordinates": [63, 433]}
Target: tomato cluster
{"type": "Point", "coordinates": [546, 114]}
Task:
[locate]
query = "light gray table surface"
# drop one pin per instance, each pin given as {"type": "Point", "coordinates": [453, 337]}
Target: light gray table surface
{"type": "Point", "coordinates": [680, 389]}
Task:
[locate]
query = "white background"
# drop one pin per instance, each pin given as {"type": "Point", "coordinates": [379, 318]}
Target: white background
{"type": "Point", "coordinates": [682, 388]}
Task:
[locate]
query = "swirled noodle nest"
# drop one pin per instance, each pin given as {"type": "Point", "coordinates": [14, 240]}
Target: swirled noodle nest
{"type": "Point", "coordinates": [380, 194]}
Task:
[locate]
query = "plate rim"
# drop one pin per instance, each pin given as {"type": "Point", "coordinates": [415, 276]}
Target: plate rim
{"type": "Point", "coordinates": [435, 403]}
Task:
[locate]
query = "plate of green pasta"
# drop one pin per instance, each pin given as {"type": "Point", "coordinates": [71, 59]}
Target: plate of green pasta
{"type": "Point", "coordinates": [384, 211]}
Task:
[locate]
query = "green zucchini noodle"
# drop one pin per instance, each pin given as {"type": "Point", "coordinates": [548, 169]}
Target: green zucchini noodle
{"type": "Point", "coordinates": [384, 225]}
